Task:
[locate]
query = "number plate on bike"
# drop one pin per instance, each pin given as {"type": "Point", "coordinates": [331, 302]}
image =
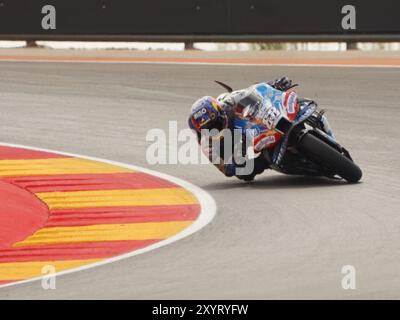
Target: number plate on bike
{"type": "Point", "coordinates": [272, 117]}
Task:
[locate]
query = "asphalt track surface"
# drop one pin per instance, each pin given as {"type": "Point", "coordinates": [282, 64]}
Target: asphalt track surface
{"type": "Point", "coordinates": [278, 237]}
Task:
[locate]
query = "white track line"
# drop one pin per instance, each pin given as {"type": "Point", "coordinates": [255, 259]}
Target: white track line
{"type": "Point", "coordinates": [209, 63]}
{"type": "Point", "coordinates": [207, 213]}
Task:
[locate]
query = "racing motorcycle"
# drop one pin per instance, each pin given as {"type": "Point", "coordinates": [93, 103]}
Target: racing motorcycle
{"type": "Point", "coordinates": [293, 138]}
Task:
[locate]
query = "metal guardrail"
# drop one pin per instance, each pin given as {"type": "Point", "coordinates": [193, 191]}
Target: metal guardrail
{"type": "Point", "coordinates": [200, 20]}
{"type": "Point", "coordinates": [209, 38]}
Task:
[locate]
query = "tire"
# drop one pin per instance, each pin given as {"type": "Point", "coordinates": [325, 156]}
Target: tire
{"type": "Point", "coordinates": [329, 157]}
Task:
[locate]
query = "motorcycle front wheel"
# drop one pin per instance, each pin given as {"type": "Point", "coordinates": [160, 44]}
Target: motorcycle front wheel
{"type": "Point", "coordinates": [328, 157]}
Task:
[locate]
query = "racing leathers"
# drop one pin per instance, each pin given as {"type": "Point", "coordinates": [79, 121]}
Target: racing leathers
{"type": "Point", "coordinates": [245, 110]}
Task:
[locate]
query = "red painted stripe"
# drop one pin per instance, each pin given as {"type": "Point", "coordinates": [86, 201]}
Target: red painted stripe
{"type": "Point", "coordinates": [287, 93]}
{"type": "Point", "coordinates": [6, 281]}
{"type": "Point", "coordinates": [83, 182]}
{"type": "Point", "coordinates": [11, 153]}
{"type": "Point", "coordinates": [91, 216]}
{"type": "Point", "coordinates": [87, 250]}
{"type": "Point", "coordinates": [21, 214]}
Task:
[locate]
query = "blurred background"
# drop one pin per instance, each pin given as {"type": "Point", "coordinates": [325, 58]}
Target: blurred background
{"type": "Point", "coordinates": [208, 46]}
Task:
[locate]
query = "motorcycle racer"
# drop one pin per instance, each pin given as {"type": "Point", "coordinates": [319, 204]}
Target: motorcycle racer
{"type": "Point", "coordinates": [247, 108]}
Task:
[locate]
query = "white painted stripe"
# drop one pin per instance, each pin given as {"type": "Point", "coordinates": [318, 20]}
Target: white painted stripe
{"type": "Point", "coordinates": [207, 212]}
{"type": "Point", "coordinates": [210, 63]}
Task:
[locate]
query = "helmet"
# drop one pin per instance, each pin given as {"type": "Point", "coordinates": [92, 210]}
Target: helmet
{"type": "Point", "coordinates": [208, 113]}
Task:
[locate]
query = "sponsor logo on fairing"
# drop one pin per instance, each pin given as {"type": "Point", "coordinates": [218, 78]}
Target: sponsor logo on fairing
{"type": "Point", "coordinates": [291, 102]}
{"type": "Point", "coordinates": [263, 142]}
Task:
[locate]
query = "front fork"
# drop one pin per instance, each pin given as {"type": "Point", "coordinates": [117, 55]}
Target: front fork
{"type": "Point", "coordinates": [326, 127]}
{"type": "Point", "coordinates": [320, 121]}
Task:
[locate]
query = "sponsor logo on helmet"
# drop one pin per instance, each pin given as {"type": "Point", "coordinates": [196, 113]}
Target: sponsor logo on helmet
{"type": "Point", "coordinates": [200, 113]}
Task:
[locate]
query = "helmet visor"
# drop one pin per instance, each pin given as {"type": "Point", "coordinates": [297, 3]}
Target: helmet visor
{"type": "Point", "coordinates": [251, 101]}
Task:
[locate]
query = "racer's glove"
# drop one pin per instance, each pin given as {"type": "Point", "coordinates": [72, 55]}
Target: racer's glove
{"type": "Point", "coordinates": [259, 165]}
{"type": "Point", "coordinates": [282, 84]}
{"type": "Point", "coordinates": [229, 170]}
